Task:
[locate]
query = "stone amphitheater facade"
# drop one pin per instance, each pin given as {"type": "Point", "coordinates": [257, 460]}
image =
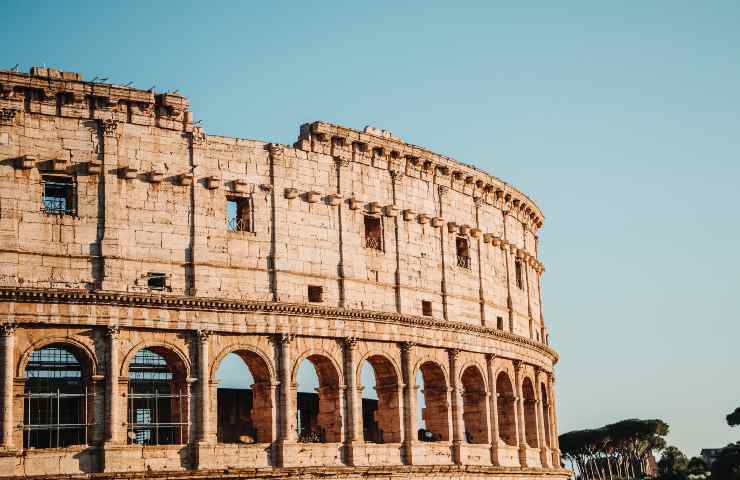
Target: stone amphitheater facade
{"type": "Point", "coordinates": [137, 252]}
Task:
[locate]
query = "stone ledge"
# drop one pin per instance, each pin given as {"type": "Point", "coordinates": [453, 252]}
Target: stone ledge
{"type": "Point", "coordinates": [27, 295]}
{"type": "Point", "coordinates": [371, 472]}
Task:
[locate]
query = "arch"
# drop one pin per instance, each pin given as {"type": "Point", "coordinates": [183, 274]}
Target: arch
{"type": "Point", "coordinates": [323, 422]}
{"type": "Point", "coordinates": [530, 412]}
{"type": "Point", "coordinates": [474, 396]}
{"type": "Point", "coordinates": [391, 364]}
{"type": "Point", "coordinates": [436, 410]}
{"type": "Point", "coordinates": [545, 413]}
{"type": "Point", "coordinates": [86, 356]}
{"type": "Point", "coordinates": [383, 424]}
{"type": "Point", "coordinates": [171, 352]}
{"type": "Point", "coordinates": [247, 413]}
{"type": "Point", "coordinates": [266, 373]}
{"type": "Point", "coordinates": [326, 360]}
{"type": "Point", "coordinates": [58, 394]}
{"type": "Point", "coordinates": [158, 398]}
{"type": "Point", "coordinates": [506, 406]}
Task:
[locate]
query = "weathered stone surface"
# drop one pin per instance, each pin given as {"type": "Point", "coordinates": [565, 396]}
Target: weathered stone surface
{"type": "Point", "coordinates": [149, 197]}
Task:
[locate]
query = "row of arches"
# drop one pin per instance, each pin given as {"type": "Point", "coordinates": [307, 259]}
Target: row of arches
{"type": "Point", "coordinates": [59, 399]}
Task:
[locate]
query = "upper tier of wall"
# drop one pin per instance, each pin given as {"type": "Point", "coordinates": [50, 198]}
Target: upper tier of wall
{"type": "Point", "coordinates": [151, 192]}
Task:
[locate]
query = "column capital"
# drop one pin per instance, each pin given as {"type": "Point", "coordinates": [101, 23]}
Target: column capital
{"type": "Point", "coordinates": [442, 189]}
{"type": "Point", "coordinates": [453, 353]}
{"type": "Point", "coordinates": [350, 343]}
{"type": "Point", "coordinates": [8, 329]}
{"type": "Point", "coordinates": [203, 334]}
{"type": "Point", "coordinates": [518, 366]}
{"type": "Point", "coordinates": [406, 346]}
{"type": "Point", "coordinates": [113, 331]}
{"type": "Point", "coordinates": [280, 339]}
{"type": "Point", "coordinates": [491, 357]}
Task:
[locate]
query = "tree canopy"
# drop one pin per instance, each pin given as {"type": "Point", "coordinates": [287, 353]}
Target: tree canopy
{"type": "Point", "coordinates": [622, 449]}
{"type": "Point", "coordinates": [733, 418]}
{"type": "Point", "coordinates": [727, 464]}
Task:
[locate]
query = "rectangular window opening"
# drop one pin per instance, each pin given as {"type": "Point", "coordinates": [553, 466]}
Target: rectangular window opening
{"type": "Point", "coordinates": [426, 308]}
{"type": "Point", "coordinates": [463, 252]}
{"type": "Point", "coordinates": [373, 233]}
{"type": "Point", "coordinates": [500, 323]}
{"type": "Point", "coordinates": [519, 277]}
{"type": "Point", "coordinates": [315, 294]}
{"type": "Point", "coordinates": [156, 281]}
{"type": "Point", "coordinates": [238, 214]}
{"type": "Point", "coordinates": [59, 194]}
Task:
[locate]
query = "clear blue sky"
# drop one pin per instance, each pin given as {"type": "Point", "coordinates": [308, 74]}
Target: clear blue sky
{"type": "Point", "coordinates": [621, 120]}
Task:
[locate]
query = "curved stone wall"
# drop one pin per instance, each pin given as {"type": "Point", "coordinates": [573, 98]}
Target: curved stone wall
{"type": "Point", "coordinates": [127, 231]}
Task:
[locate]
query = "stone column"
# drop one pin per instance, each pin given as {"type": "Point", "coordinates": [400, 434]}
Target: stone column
{"type": "Point", "coordinates": [112, 390]}
{"type": "Point", "coordinates": [458, 424]}
{"type": "Point", "coordinates": [353, 415]}
{"type": "Point", "coordinates": [481, 295]}
{"type": "Point", "coordinates": [493, 408]}
{"type": "Point", "coordinates": [443, 287]}
{"type": "Point", "coordinates": [540, 420]}
{"type": "Point", "coordinates": [505, 250]}
{"type": "Point", "coordinates": [205, 432]}
{"type": "Point", "coordinates": [518, 367]}
{"type": "Point", "coordinates": [287, 431]}
{"type": "Point", "coordinates": [7, 339]}
{"type": "Point", "coordinates": [554, 440]}
{"type": "Point", "coordinates": [409, 402]}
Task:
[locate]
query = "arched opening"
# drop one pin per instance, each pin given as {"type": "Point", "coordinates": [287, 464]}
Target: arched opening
{"type": "Point", "coordinates": [318, 401]}
{"type": "Point", "coordinates": [434, 424]}
{"type": "Point", "coordinates": [506, 409]}
{"type": "Point", "coordinates": [546, 413]}
{"type": "Point", "coordinates": [474, 406]}
{"type": "Point", "coordinates": [381, 419]}
{"type": "Point", "coordinates": [58, 398]}
{"type": "Point", "coordinates": [530, 413]}
{"type": "Point", "coordinates": [158, 398]}
{"type": "Point", "coordinates": [244, 399]}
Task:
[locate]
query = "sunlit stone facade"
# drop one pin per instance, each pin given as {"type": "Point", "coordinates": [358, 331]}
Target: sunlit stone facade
{"type": "Point", "coordinates": [136, 252]}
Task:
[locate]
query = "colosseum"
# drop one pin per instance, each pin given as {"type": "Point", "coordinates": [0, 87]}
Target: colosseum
{"type": "Point", "coordinates": [138, 253]}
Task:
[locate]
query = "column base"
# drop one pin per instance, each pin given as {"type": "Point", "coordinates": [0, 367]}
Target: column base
{"type": "Point", "coordinates": [457, 452]}
{"type": "Point", "coordinates": [494, 456]}
{"type": "Point", "coordinates": [205, 455]}
{"type": "Point", "coordinates": [286, 453]}
{"type": "Point", "coordinates": [545, 457]}
{"type": "Point", "coordinates": [355, 454]}
{"type": "Point", "coordinates": [523, 456]}
{"type": "Point", "coordinates": [555, 454]}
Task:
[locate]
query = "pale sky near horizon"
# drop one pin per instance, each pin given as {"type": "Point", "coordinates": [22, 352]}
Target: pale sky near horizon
{"type": "Point", "coordinates": [621, 119]}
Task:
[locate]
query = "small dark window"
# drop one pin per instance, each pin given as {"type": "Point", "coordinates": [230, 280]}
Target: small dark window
{"type": "Point", "coordinates": [500, 323]}
{"type": "Point", "coordinates": [315, 294]}
{"type": "Point", "coordinates": [373, 233]}
{"type": "Point", "coordinates": [156, 281]}
{"type": "Point", "coordinates": [519, 277]}
{"type": "Point", "coordinates": [238, 214]}
{"type": "Point", "coordinates": [463, 252]}
{"type": "Point", "coordinates": [426, 308]}
{"type": "Point", "coordinates": [59, 195]}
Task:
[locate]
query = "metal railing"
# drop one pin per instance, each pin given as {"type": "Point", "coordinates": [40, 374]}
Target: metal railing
{"type": "Point", "coordinates": [57, 206]}
{"type": "Point", "coordinates": [145, 425]}
{"type": "Point", "coordinates": [374, 243]}
{"type": "Point", "coordinates": [237, 224]}
{"type": "Point", "coordinates": [463, 261]}
{"type": "Point", "coordinates": [55, 419]}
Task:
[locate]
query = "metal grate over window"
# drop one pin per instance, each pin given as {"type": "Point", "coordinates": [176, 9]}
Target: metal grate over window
{"type": "Point", "coordinates": [56, 400]}
{"type": "Point", "coordinates": [463, 252]}
{"type": "Point", "coordinates": [373, 233]}
{"type": "Point", "coordinates": [157, 403]}
{"type": "Point", "coordinates": [239, 214]}
{"type": "Point", "coordinates": [60, 196]}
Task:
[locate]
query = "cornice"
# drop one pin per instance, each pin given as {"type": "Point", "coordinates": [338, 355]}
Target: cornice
{"type": "Point", "coordinates": [30, 295]}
